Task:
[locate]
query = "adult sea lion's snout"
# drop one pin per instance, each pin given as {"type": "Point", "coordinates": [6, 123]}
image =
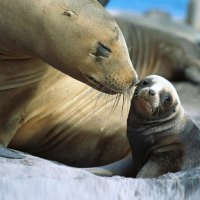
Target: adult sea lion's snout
{"type": "Point", "coordinates": [109, 68]}
{"type": "Point", "coordinates": [112, 83]}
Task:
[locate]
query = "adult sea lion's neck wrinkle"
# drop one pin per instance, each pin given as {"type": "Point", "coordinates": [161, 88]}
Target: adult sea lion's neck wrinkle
{"type": "Point", "coordinates": [20, 72]}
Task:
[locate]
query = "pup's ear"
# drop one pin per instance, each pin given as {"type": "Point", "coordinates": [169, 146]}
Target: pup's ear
{"type": "Point", "coordinates": [103, 2]}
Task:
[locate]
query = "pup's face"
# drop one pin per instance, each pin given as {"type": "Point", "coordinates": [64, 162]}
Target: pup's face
{"type": "Point", "coordinates": [154, 98]}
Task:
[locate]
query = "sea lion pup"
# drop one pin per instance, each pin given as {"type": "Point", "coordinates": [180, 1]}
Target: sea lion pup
{"type": "Point", "coordinates": [66, 35]}
{"type": "Point", "coordinates": [162, 137]}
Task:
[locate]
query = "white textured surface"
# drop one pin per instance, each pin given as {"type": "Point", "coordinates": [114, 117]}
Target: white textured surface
{"type": "Point", "coordinates": [33, 178]}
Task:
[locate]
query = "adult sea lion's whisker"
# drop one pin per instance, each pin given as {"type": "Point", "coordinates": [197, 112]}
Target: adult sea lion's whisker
{"type": "Point", "coordinates": [123, 102]}
{"type": "Point", "coordinates": [115, 103]}
{"type": "Point", "coordinates": [118, 99]}
{"type": "Point", "coordinates": [128, 99]}
{"type": "Point", "coordinates": [97, 98]}
{"type": "Point", "coordinates": [99, 95]}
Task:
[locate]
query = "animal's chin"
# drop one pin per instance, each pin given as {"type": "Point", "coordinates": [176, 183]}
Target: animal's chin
{"type": "Point", "coordinates": [101, 87]}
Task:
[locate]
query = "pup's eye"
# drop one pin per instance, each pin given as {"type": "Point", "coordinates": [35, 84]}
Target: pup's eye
{"type": "Point", "coordinates": [145, 82]}
{"type": "Point", "coordinates": [167, 99]}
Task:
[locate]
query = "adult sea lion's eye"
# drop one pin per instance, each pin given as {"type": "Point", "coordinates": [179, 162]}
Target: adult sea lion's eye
{"type": "Point", "coordinates": [102, 51]}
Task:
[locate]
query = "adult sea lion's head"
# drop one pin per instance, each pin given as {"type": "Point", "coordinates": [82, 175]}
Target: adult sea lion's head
{"type": "Point", "coordinates": [82, 40]}
{"type": "Point", "coordinates": [155, 98]}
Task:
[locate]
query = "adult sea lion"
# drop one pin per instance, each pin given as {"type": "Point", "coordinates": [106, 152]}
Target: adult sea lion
{"type": "Point", "coordinates": [66, 35]}
{"type": "Point", "coordinates": [162, 137]}
{"type": "Point", "coordinates": [61, 118]}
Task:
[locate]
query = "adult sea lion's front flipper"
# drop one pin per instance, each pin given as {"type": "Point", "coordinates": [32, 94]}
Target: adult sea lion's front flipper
{"type": "Point", "coordinates": [9, 153]}
{"type": "Point", "coordinates": [123, 167]}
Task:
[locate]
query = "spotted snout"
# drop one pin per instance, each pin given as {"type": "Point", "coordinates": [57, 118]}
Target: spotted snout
{"type": "Point", "coordinates": [121, 82]}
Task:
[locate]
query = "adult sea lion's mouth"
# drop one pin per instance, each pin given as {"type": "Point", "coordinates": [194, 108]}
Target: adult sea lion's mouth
{"type": "Point", "coordinates": [99, 86]}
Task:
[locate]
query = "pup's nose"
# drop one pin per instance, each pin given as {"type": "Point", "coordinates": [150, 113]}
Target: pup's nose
{"type": "Point", "coordinates": [151, 92]}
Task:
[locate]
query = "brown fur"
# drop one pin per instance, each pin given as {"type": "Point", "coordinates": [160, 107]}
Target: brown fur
{"type": "Point", "coordinates": [37, 101]}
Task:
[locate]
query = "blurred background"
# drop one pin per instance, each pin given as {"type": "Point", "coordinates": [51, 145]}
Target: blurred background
{"type": "Point", "coordinates": [181, 10]}
{"type": "Point", "coordinates": [176, 8]}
